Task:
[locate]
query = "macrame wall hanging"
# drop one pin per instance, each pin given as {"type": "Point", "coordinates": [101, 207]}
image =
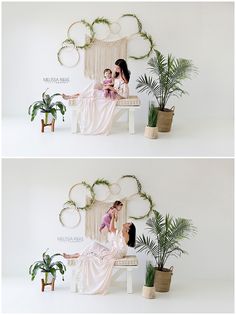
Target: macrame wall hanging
{"type": "Point", "coordinates": [95, 208]}
{"type": "Point", "coordinates": [101, 55]}
{"type": "Point", "coordinates": [113, 49]}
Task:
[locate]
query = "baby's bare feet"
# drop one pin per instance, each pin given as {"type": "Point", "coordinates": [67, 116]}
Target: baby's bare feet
{"type": "Point", "coordinates": [66, 97]}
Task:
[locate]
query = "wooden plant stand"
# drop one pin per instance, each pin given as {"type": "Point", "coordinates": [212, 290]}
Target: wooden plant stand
{"type": "Point", "coordinates": [44, 284]}
{"type": "Point", "coordinates": [43, 125]}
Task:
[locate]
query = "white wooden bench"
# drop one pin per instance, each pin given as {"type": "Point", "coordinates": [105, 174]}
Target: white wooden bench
{"type": "Point", "coordinates": [128, 264]}
{"type": "Point", "coordinates": [131, 104]}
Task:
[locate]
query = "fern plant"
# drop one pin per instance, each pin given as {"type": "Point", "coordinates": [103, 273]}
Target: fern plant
{"type": "Point", "coordinates": [168, 76]}
{"type": "Point", "coordinates": [166, 234]}
{"type": "Point", "coordinates": [46, 106]}
{"type": "Point", "coordinates": [47, 266]}
{"type": "Point", "coordinates": [152, 116]}
{"type": "Point", "coordinates": [150, 274]}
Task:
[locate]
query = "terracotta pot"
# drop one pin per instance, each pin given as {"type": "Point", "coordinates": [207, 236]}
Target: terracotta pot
{"type": "Point", "coordinates": [151, 132]}
{"type": "Point", "coordinates": [148, 292]}
{"type": "Point", "coordinates": [164, 119]}
{"type": "Point", "coordinates": [162, 279]}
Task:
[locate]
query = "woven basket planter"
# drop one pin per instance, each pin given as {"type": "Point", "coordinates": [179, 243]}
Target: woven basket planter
{"type": "Point", "coordinates": [164, 119]}
{"type": "Point", "coordinates": [149, 292]}
{"type": "Point", "coordinates": [151, 132]}
{"type": "Point", "coordinates": [163, 279]}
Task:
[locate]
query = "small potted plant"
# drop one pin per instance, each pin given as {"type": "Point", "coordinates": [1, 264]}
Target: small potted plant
{"type": "Point", "coordinates": [48, 269]}
{"type": "Point", "coordinates": [48, 108]}
{"type": "Point", "coordinates": [166, 232]}
{"type": "Point", "coordinates": [148, 288]}
{"type": "Point", "coordinates": [167, 81]}
{"type": "Point", "coordinates": [151, 130]}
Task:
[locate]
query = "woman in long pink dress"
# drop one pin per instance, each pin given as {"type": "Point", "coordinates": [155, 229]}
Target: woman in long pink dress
{"type": "Point", "coordinates": [95, 110]}
{"type": "Point", "coordinates": [95, 263]}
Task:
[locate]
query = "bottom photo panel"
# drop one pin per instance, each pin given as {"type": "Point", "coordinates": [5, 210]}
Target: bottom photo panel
{"type": "Point", "coordinates": [117, 235]}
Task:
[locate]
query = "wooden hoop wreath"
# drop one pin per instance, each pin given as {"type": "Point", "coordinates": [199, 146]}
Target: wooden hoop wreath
{"type": "Point", "coordinates": [91, 31]}
{"type": "Point", "coordinates": [101, 20]}
{"type": "Point", "coordinates": [91, 200]}
{"type": "Point", "coordinates": [102, 181]}
{"type": "Point", "coordinates": [66, 209]}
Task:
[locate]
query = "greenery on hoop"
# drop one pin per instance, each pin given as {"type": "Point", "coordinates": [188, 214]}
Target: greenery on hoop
{"type": "Point", "coordinates": [101, 20]}
{"type": "Point", "coordinates": [64, 47]}
{"type": "Point", "coordinates": [139, 186]}
{"type": "Point", "coordinates": [102, 181]}
{"type": "Point", "coordinates": [147, 37]}
{"type": "Point", "coordinates": [70, 204]}
{"type": "Point", "coordinates": [137, 19]}
{"type": "Point", "coordinates": [151, 206]}
{"type": "Point", "coordinates": [91, 38]}
{"type": "Point", "coordinates": [91, 200]}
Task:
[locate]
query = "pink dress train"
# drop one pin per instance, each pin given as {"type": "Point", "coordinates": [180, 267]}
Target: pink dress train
{"type": "Point", "coordinates": [96, 111]}
{"type": "Point", "coordinates": [94, 267]}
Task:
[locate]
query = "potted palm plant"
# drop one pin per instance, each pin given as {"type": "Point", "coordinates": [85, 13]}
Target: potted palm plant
{"type": "Point", "coordinates": [166, 232]}
{"type": "Point", "coordinates": [48, 269]}
{"type": "Point", "coordinates": [151, 130]}
{"type": "Point", "coordinates": [148, 288]}
{"type": "Point", "coordinates": [168, 76]}
{"type": "Point", "coordinates": [48, 108]}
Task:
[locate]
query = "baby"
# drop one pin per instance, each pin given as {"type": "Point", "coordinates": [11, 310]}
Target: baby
{"type": "Point", "coordinates": [106, 220]}
{"type": "Point", "coordinates": [108, 81]}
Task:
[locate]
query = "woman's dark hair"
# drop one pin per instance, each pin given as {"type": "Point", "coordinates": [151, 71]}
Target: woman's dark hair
{"type": "Point", "coordinates": [132, 235]}
{"type": "Point", "coordinates": [117, 203]}
{"type": "Point", "coordinates": [124, 69]}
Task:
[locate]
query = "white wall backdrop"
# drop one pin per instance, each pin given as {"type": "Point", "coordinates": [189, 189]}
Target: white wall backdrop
{"type": "Point", "coordinates": [203, 32]}
{"type": "Point", "coordinates": [34, 191]}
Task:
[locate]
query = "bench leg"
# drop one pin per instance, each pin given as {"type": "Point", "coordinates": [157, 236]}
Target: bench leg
{"type": "Point", "coordinates": [131, 121]}
{"type": "Point", "coordinates": [129, 281]}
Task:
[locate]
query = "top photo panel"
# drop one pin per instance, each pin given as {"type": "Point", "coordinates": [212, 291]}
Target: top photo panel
{"type": "Point", "coordinates": [117, 79]}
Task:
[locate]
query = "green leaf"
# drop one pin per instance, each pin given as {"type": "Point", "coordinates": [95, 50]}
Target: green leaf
{"type": "Point", "coordinates": [101, 20]}
{"type": "Point", "coordinates": [54, 113]}
{"type": "Point", "coordinates": [54, 95]}
{"type": "Point", "coordinates": [61, 107]}
{"type": "Point", "coordinates": [169, 73]}
{"type": "Point", "coordinates": [37, 103]}
{"type": "Point", "coordinates": [166, 233]}
{"type": "Point", "coordinates": [150, 275]}
{"type": "Point", "coordinates": [101, 181]}
{"type": "Point", "coordinates": [35, 110]}
{"type": "Point", "coordinates": [152, 116]}
{"type": "Point", "coordinates": [43, 96]}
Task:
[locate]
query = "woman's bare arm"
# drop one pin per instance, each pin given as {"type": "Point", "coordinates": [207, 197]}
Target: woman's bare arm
{"type": "Point", "coordinates": [112, 224]}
